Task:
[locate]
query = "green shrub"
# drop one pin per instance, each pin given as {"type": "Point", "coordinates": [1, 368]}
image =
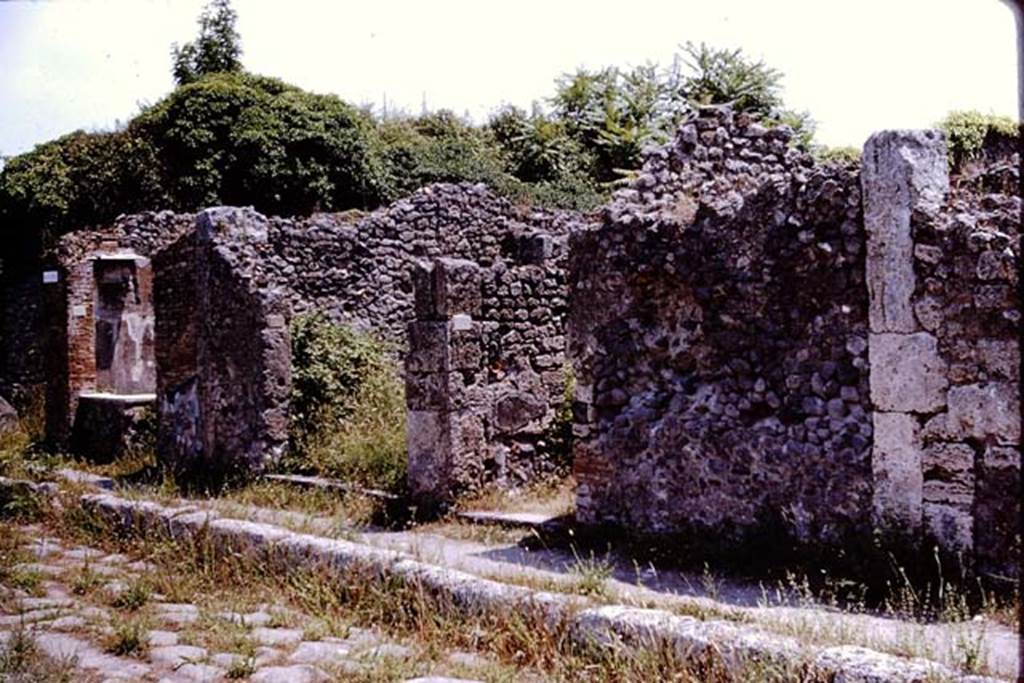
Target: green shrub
{"type": "Point", "coordinates": [242, 139]}
{"type": "Point", "coordinates": [838, 155]}
{"type": "Point", "coordinates": [347, 405]}
{"type": "Point", "coordinates": [967, 131]}
{"type": "Point", "coordinates": [437, 147]}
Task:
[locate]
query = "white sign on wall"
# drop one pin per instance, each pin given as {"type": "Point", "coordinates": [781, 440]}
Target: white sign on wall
{"type": "Point", "coordinates": [50, 277]}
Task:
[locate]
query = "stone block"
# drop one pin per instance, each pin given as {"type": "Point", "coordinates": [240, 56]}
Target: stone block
{"type": "Point", "coordinates": [985, 411]}
{"type": "Point", "coordinates": [907, 373]}
{"type": "Point", "coordinates": [903, 172]}
{"type": "Point", "coordinates": [428, 347]}
{"type": "Point", "coordinates": [896, 469]}
{"type": "Point", "coordinates": [426, 391]}
{"type": "Point", "coordinates": [428, 442]}
{"type": "Point", "coordinates": [457, 285]}
{"type": "Point", "coordinates": [950, 525]}
{"type": "Point", "coordinates": [466, 350]}
{"type": "Point", "coordinates": [446, 287]}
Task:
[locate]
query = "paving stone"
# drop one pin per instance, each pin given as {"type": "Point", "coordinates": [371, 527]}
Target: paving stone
{"type": "Point", "coordinates": [300, 673]}
{"type": "Point", "coordinates": [247, 619]}
{"type": "Point", "coordinates": [116, 558]}
{"type": "Point", "coordinates": [388, 651]}
{"type": "Point", "coordinates": [82, 553]}
{"type": "Point", "coordinates": [28, 604]}
{"type": "Point", "coordinates": [467, 659]}
{"type": "Point", "coordinates": [225, 660]}
{"type": "Point", "coordinates": [64, 647]}
{"type": "Point", "coordinates": [319, 652]}
{"type": "Point", "coordinates": [277, 636]}
{"type": "Point", "coordinates": [140, 566]}
{"type": "Point", "coordinates": [159, 638]}
{"type": "Point", "coordinates": [27, 617]}
{"type": "Point", "coordinates": [440, 679]}
{"type": "Point", "coordinates": [95, 613]}
{"type": "Point", "coordinates": [40, 568]}
{"type": "Point", "coordinates": [266, 655]}
{"type": "Point", "coordinates": [199, 672]}
{"type": "Point", "coordinates": [70, 623]}
{"type": "Point", "coordinates": [361, 638]}
{"type": "Point", "coordinates": [43, 548]}
{"type": "Point", "coordinates": [173, 655]}
{"type": "Point", "coordinates": [178, 613]}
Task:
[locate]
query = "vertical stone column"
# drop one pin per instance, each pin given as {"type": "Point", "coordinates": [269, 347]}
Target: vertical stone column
{"type": "Point", "coordinates": [904, 176]}
{"type": "Point", "coordinates": [444, 378]}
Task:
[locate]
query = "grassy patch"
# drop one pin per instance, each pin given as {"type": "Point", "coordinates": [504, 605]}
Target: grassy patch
{"type": "Point", "coordinates": [129, 638]}
{"type": "Point", "coordinates": [591, 573]}
{"type": "Point", "coordinates": [22, 662]}
{"type": "Point", "coordinates": [133, 597]}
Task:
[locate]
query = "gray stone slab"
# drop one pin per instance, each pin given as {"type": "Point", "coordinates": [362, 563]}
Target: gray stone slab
{"type": "Point", "coordinates": [524, 520]}
{"type": "Point", "coordinates": [319, 652]}
{"type": "Point", "coordinates": [277, 636]}
{"type": "Point", "coordinates": [175, 655]}
{"type": "Point", "coordinates": [299, 673]}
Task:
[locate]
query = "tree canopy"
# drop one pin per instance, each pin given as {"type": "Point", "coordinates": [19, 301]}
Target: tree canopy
{"type": "Point", "coordinates": [217, 48]}
{"type": "Point", "coordinates": [224, 136]}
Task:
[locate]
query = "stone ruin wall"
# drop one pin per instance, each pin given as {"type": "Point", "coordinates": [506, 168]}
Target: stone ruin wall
{"type": "Point", "coordinates": [485, 371]}
{"type": "Point", "coordinates": [357, 272]}
{"type": "Point", "coordinates": [718, 322]}
{"type": "Point", "coordinates": [223, 351]}
{"type": "Point", "coordinates": [68, 305]}
{"type": "Point", "coordinates": [738, 373]}
{"type": "Point", "coordinates": [945, 349]}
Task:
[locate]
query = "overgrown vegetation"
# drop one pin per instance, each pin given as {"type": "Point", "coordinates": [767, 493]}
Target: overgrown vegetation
{"type": "Point", "coordinates": [347, 405]}
{"type": "Point", "coordinates": [968, 132]}
{"type": "Point", "coordinates": [225, 136]}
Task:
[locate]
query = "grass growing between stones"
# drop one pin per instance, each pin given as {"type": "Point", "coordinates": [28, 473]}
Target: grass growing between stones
{"type": "Point", "coordinates": [519, 647]}
{"type": "Point", "coordinates": [22, 662]}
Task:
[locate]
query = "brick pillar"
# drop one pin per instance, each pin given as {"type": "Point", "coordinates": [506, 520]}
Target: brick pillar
{"type": "Point", "coordinates": [904, 177]}
{"type": "Point", "coordinates": [444, 376]}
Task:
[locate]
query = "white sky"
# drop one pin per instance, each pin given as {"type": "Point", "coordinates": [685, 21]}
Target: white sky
{"type": "Point", "coordinates": [856, 66]}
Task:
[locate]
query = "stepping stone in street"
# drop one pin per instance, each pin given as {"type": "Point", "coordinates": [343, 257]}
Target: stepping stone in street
{"type": "Point", "coordinates": [175, 655]}
{"type": "Point", "coordinates": [300, 673]}
{"type": "Point", "coordinates": [277, 636]}
{"type": "Point", "coordinates": [319, 652]}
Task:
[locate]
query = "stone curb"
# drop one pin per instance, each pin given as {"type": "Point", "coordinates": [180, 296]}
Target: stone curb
{"type": "Point", "coordinates": [732, 645]}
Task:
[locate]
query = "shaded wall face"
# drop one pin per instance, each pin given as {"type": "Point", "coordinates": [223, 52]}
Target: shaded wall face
{"type": "Point", "coordinates": [125, 361]}
{"type": "Point", "coordinates": [485, 375]}
{"type": "Point", "coordinates": [718, 321]}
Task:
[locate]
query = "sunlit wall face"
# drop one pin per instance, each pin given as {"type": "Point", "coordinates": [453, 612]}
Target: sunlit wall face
{"type": "Point", "coordinates": [857, 67]}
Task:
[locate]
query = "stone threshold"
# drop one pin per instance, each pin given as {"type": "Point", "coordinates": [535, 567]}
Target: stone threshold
{"type": "Point", "coordinates": [585, 623]}
{"type": "Point", "coordinates": [324, 483]}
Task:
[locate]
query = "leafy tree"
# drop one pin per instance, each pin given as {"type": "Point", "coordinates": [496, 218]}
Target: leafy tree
{"type": "Point", "coordinates": [76, 180]}
{"type": "Point", "coordinates": [720, 76]}
{"type": "Point", "coordinates": [437, 147]}
{"type": "Point", "coordinates": [216, 49]}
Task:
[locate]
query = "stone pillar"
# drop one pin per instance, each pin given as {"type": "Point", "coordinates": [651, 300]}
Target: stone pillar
{"type": "Point", "coordinates": [904, 177]}
{"type": "Point", "coordinates": [444, 377]}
